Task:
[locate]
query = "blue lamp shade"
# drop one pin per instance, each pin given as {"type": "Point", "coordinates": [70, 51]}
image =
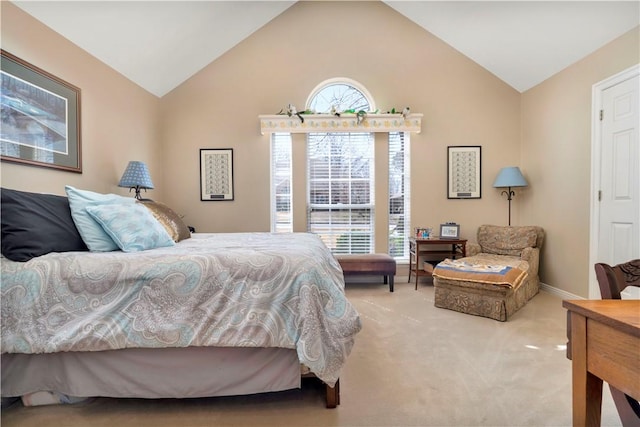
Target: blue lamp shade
{"type": "Point", "coordinates": [136, 176]}
{"type": "Point", "coordinates": [510, 177]}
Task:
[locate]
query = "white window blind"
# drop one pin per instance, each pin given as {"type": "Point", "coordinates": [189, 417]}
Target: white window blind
{"type": "Point", "coordinates": [341, 190]}
{"type": "Point", "coordinates": [281, 199]}
{"type": "Point", "coordinates": [399, 195]}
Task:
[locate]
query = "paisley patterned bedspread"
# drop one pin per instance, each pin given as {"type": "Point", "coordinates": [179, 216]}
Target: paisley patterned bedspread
{"type": "Point", "coordinates": [222, 289]}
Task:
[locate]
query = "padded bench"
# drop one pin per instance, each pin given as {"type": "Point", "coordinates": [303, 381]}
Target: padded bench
{"type": "Point", "coordinates": [369, 264]}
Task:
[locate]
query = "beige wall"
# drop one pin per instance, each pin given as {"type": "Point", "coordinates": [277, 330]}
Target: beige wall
{"type": "Point", "coordinates": [546, 131]}
{"type": "Point", "coordinates": [118, 118]}
{"type": "Point", "coordinates": [556, 155]}
{"type": "Point", "coordinates": [283, 62]}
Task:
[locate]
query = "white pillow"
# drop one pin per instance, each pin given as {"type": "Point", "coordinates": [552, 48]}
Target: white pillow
{"type": "Point", "coordinates": [93, 235]}
{"type": "Point", "coordinates": [132, 226]}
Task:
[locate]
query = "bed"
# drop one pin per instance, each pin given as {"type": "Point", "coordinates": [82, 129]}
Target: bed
{"type": "Point", "coordinates": [210, 315]}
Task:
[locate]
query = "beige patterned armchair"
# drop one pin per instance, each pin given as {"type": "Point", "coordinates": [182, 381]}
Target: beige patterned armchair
{"type": "Point", "coordinates": [517, 247]}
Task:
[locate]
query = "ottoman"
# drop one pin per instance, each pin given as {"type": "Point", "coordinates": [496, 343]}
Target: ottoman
{"type": "Point", "coordinates": [369, 264]}
{"type": "Point", "coordinates": [496, 301]}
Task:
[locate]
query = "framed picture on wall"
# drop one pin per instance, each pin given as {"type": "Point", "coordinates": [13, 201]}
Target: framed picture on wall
{"type": "Point", "coordinates": [463, 170]}
{"type": "Point", "coordinates": [216, 174]}
{"type": "Point", "coordinates": [40, 117]}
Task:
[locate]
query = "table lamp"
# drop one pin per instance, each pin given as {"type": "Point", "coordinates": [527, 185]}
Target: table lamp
{"type": "Point", "coordinates": [136, 176]}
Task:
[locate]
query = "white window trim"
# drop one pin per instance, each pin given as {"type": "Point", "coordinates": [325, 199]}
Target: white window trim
{"type": "Point", "coordinates": [345, 123]}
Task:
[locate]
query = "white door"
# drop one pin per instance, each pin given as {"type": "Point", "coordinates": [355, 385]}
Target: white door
{"type": "Point", "coordinates": [617, 198]}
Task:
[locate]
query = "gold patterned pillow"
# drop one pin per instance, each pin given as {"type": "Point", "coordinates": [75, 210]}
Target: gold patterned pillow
{"type": "Point", "coordinates": [170, 220]}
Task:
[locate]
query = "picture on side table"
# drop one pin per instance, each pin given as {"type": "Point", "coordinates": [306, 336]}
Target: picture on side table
{"type": "Point", "coordinates": [449, 231]}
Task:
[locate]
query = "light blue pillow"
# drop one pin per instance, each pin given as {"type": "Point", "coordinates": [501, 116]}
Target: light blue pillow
{"type": "Point", "coordinates": [93, 235]}
{"type": "Point", "coordinates": [132, 226]}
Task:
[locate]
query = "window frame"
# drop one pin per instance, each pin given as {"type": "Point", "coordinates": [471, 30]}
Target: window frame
{"type": "Point", "coordinates": [296, 171]}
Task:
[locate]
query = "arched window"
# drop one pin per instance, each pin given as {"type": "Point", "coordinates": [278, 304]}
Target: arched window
{"type": "Point", "coordinates": [341, 174]}
{"type": "Point", "coordinates": [340, 94]}
{"type": "Point", "coordinates": [340, 177]}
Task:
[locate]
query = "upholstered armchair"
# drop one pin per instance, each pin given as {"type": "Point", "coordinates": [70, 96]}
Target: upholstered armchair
{"type": "Point", "coordinates": [522, 242]}
{"type": "Point", "coordinates": [497, 277]}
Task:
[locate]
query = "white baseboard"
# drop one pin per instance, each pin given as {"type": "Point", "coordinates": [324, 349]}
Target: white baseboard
{"type": "Point", "coordinates": [559, 292]}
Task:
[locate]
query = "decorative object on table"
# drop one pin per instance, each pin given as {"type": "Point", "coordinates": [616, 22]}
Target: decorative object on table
{"type": "Point", "coordinates": [136, 177]}
{"type": "Point", "coordinates": [463, 171]}
{"type": "Point", "coordinates": [507, 178]}
{"type": "Point", "coordinates": [449, 230]}
{"type": "Point", "coordinates": [40, 117]}
{"type": "Point", "coordinates": [423, 232]}
{"type": "Point", "coordinates": [216, 174]}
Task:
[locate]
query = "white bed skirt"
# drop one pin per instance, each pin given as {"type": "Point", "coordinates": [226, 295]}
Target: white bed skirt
{"type": "Point", "coordinates": [153, 373]}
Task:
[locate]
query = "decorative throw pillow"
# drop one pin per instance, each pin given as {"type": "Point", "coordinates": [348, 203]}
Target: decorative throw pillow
{"type": "Point", "coordinates": [94, 236]}
{"type": "Point", "coordinates": [131, 226]}
{"type": "Point", "coordinates": [174, 225]}
{"type": "Point", "coordinates": [35, 224]}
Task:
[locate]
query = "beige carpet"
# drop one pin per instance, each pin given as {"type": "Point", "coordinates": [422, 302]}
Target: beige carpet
{"type": "Point", "coordinates": [412, 365]}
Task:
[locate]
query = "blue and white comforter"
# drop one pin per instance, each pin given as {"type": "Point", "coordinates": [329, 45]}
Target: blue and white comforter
{"type": "Point", "coordinates": [225, 290]}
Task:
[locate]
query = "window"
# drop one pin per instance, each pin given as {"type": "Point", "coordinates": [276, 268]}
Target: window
{"type": "Point", "coordinates": [399, 195]}
{"type": "Point", "coordinates": [281, 212]}
{"type": "Point", "coordinates": [340, 178]}
{"type": "Point", "coordinates": [340, 175]}
{"type": "Point", "coordinates": [341, 196]}
{"type": "Point", "coordinates": [339, 95]}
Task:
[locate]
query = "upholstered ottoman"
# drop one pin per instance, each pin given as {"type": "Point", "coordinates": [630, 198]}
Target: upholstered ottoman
{"type": "Point", "coordinates": [369, 264]}
{"type": "Point", "coordinates": [481, 298]}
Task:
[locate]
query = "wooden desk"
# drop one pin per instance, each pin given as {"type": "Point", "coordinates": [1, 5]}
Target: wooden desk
{"type": "Point", "coordinates": [604, 340]}
{"type": "Point", "coordinates": [434, 248]}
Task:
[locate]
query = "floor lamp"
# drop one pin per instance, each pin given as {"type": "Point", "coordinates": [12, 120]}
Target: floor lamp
{"type": "Point", "coordinates": [507, 178]}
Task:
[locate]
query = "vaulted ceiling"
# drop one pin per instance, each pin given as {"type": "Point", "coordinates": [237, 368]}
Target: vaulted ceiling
{"type": "Point", "coordinates": [521, 42]}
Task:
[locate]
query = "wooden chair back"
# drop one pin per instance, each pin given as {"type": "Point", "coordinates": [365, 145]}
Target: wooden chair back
{"type": "Point", "coordinates": [612, 281]}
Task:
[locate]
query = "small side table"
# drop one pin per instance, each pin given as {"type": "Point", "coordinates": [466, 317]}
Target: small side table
{"type": "Point", "coordinates": [433, 247]}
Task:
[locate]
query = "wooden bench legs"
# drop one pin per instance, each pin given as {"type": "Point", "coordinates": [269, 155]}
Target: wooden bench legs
{"type": "Point", "coordinates": [389, 279]}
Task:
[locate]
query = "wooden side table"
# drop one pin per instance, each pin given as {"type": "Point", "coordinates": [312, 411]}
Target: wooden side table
{"type": "Point", "coordinates": [604, 338]}
{"type": "Point", "coordinates": [435, 247]}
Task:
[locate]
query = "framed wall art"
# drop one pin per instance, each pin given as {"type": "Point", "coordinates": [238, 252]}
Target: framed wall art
{"type": "Point", "coordinates": [40, 117]}
{"type": "Point", "coordinates": [216, 174]}
{"type": "Point", "coordinates": [463, 170]}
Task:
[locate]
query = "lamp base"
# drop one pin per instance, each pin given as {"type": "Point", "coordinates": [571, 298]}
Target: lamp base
{"type": "Point", "coordinates": [510, 195]}
{"type": "Point", "coordinates": [137, 190]}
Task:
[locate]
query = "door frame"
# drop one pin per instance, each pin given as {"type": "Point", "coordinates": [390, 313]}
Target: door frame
{"type": "Point", "coordinates": [596, 147]}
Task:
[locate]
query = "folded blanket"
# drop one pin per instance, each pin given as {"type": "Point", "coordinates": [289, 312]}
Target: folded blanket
{"type": "Point", "coordinates": [503, 275]}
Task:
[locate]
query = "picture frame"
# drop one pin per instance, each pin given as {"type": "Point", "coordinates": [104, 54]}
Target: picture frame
{"type": "Point", "coordinates": [449, 231]}
{"type": "Point", "coordinates": [40, 117]}
{"type": "Point", "coordinates": [216, 174]}
{"type": "Point", "coordinates": [464, 172]}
